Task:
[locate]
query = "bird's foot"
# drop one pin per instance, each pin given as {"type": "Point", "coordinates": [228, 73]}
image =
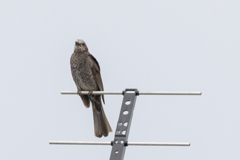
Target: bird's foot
{"type": "Point", "coordinates": [92, 97]}
{"type": "Point", "coordinates": [79, 93]}
{"type": "Point", "coordinates": [90, 94]}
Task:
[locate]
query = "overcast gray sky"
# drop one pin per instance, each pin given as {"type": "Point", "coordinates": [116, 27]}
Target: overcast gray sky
{"type": "Point", "coordinates": [150, 45]}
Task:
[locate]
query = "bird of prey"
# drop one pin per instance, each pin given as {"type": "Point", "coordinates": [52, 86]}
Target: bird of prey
{"type": "Point", "coordinates": [86, 75]}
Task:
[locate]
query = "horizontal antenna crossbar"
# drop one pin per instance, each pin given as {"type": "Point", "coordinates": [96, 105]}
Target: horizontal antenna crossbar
{"type": "Point", "coordinates": [128, 143]}
{"type": "Point", "coordinates": [140, 93]}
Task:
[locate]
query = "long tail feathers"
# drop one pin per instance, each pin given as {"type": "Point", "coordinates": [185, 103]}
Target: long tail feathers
{"type": "Point", "coordinates": [101, 124]}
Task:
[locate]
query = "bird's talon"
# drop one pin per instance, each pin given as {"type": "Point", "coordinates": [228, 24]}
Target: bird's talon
{"type": "Point", "coordinates": [79, 92]}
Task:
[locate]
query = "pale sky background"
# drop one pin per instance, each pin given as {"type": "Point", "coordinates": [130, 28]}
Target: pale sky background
{"type": "Point", "coordinates": [150, 45]}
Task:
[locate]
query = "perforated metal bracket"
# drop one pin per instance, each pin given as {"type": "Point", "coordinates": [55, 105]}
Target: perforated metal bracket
{"type": "Point", "coordinates": [119, 143]}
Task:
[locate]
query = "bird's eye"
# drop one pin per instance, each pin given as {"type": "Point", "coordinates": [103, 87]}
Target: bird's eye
{"type": "Point", "coordinates": [83, 44]}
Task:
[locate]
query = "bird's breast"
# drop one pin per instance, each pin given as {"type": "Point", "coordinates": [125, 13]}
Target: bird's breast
{"type": "Point", "coordinates": [87, 81]}
{"type": "Point", "coordinates": [83, 76]}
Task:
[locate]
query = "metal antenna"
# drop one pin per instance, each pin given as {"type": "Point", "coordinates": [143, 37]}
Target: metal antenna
{"type": "Point", "coordinates": [123, 125]}
{"type": "Point", "coordinates": [120, 141]}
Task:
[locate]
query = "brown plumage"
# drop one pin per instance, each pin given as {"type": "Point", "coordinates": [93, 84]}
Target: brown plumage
{"type": "Point", "coordinates": [86, 75]}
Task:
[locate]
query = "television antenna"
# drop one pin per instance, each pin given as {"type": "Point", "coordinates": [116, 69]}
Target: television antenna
{"type": "Point", "coordinates": [120, 141]}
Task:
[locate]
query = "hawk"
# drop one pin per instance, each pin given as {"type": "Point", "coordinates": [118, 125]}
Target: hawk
{"type": "Point", "coordinates": [86, 75]}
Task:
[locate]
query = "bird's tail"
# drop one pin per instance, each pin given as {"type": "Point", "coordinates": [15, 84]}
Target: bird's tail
{"type": "Point", "coordinates": [101, 124]}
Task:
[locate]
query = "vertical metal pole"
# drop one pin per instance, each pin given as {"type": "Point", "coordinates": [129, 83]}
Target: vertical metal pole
{"type": "Point", "coordinates": [123, 126]}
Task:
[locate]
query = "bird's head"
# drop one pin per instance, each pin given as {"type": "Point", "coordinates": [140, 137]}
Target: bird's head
{"type": "Point", "coordinates": [80, 46]}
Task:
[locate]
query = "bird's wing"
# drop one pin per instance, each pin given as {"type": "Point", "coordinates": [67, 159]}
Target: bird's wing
{"type": "Point", "coordinates": [96, 74]}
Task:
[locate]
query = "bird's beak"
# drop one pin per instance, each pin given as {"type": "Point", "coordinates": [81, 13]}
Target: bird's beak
{"type": "Point", "coordinates": [82, 47]}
